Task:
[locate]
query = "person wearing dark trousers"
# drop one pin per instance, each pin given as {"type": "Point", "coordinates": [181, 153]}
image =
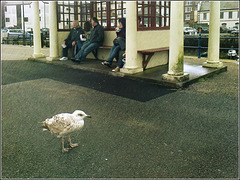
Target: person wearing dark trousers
{"type": "Point", "coordinates": [96, 40]}
{"type": "Point", "coordinates": [72, 41]}
{"type": "Point", "coordinates": [120, 63]}
{"type": "Point", "coordinates": [121, 35]}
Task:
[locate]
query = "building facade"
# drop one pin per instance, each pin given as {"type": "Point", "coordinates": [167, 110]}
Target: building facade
{"type": "Point", "coordinates": [191, 12]}
{"type": "Point", "coordinates": [229, 13]}
{"type": "Point", "coordinates": [13, 12]}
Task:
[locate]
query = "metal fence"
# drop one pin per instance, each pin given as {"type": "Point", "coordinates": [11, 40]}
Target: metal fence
{"type": "Point", "coordinates": [28, 40]}
{"type": "Point", "coordinates": [199, 47]}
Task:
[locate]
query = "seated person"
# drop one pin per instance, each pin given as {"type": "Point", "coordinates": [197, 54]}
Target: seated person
{"type": "Point", "coordinates": [87, 31]}
{"type": "Point", "coordinates": [71, 40]}
{"type": "Point", "coordinates": [96, 40]}
{"type": "Point", "coordinates": [121, 32]}
{"type": "Point", "coordinates": [121, 60]}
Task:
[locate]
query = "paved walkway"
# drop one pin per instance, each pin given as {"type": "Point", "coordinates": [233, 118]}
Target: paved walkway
{"type": "Point", "coordinates": [137, 130]}
{"type": "Point", "coordinates": [192, 65]}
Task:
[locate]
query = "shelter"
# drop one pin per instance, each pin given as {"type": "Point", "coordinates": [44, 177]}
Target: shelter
{"type": "Point", "coordinates": [152, 39]}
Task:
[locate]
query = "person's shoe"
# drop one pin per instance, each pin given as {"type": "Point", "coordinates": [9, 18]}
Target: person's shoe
{"type": "Point", "coordinates": [73, 59]}
{"type": "Point", "coordinates": [77, 61]}
{"type": "Point", "coordinates": [117, 69]}
{"type": "Point", "coordinates": [63, 59]}
{"type": "Point", "coordinates": [106, 63]}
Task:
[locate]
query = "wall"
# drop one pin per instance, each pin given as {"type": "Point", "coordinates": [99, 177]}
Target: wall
{"type": "Point", "coordinates": [151, 40]}
{"type": "Point", "coordinates": [12, 14]}
{"type": "Point", "coordinates": [230, 22]}
{"type": "Point", "coordinates": [146, 40]}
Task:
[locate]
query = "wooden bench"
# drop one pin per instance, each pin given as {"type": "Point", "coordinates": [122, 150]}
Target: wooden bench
{"type": "Point", "coordinates": [95, 51]}
{"type": "Point", "coordinates": [150, 53]}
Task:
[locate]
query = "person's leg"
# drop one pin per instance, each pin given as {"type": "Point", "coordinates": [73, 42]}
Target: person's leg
{"type": "Point", "coordinates": [89, 49]}
{"type": "Point", "coordinates": [80, 53]}
{"type": "Point", "coordinates": [114, 51]}
{"type": "Point", "coordinates": [79, 45]}
{"type": "Point", "coordinates": [120, 62]}
{"type": "Point", "coordinates": [65, 50]}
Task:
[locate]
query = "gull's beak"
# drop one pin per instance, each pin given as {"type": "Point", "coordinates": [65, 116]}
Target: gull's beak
{"type": "Point", "coordinates": [88, 116]}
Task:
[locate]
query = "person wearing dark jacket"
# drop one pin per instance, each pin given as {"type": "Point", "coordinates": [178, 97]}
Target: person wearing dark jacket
{"type": "Point", "coordinates": [72, 40]}
{"type": "Point", "coordinates": [118, 43]}
{"type": "Point", "coordinates": [96, 40]}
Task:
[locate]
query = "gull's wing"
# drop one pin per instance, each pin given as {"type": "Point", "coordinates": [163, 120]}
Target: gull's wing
{"type": "Point", "coordinates": [60, 123]}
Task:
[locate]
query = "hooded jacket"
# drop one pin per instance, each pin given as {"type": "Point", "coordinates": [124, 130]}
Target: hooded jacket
{"type": "Point", "coordinates": [75, 34]}
{"type": "Point", "coordinates": [123, 30]}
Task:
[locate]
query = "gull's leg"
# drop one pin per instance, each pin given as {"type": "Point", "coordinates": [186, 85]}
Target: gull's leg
{"type": "Point", "coordinates": [71, 144]}
{"type": "Point", "coordinates": [63, 148]}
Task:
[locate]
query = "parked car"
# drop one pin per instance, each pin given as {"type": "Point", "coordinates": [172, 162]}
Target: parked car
{"type": "Point", "coordinates": [189, 30]}
{"type": "Point", "coordinates": [204, 29]}
{"type": "Point", "coordinates": [45, 31]}
{"type": "Point", "coordinates": [17, 33]}
{"type": "Point", "coordinates": [234, 30]}
{"type": "Point", "coordinates": [45, 36]}
{"type": "Point", "coordinates": [224, 29]}
{"type": "Point", "coordinates": [30, 30]}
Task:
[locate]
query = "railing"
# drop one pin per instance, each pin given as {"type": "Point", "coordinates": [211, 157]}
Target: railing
{"type": "Point", "coordinates": [199, 47]}
{"type": "Point", "coordinates": [25, 40]}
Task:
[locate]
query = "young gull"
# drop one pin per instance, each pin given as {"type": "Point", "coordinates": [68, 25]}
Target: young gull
{"type": "Point", "coordinates": [64, 124]}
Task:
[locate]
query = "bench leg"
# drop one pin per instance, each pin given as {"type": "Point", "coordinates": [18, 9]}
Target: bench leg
{"type": "Point", "coordinates": [95, 53]}
{"type": "Point", "coordinates": [146, 61]}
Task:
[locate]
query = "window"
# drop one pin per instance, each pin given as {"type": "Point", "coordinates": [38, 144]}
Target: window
{"type": "Point", "coordinates": [66, 14]}
{"type": "Point", "coordinates": [40, 18]}
{"type": "Point", "coordinates": [188, 3]}
{"type": "Point", "coordinates": [107, 13]}
{"type": "Point", "coordinates": [25, 19]}
{"type": "Point", "coordinates": [154, 14]}
{"type": "Point", "coordinates": [204, 16]}
{"type": "Point", "coordinates": [229, 15]}
{"type": "Point", "coordinates": [7, 19]}
{"type": "Point", "coordinates": [100, 10]}
{"type": "Point", "coordinates": [5, 8]}
{"type": "Point", "coordinates": [221, 15]}
{"type": "Point", "coordinates": [117, 10]}
{"type": "Point", "coordinates": [188, 9]}
{"type": "Point", "coordinates": [187, 16]}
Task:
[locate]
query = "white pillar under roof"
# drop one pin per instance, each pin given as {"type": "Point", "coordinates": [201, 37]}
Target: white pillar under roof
{"type": "Point", "coordinates": [214, 36]}
{"type": "Point", "coordinates": [53, 31]}
{"type": "Point", "coordinates": [132, 65]}
{"type": "Point", "coordinates": [176, 44]}
{"type": "Point", "coordinates": [37, 51]}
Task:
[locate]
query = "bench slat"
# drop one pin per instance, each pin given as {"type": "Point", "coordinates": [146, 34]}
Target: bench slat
{"type": "Point", "coordinates": [153, 50]}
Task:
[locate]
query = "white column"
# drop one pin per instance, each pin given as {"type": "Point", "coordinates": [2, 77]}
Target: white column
{"type": "Point", "coordinates": [133, 65]}
{"type": "Point", "coordinates": [53, 31]}
{"type": "Point", "coordinates": [37, 52]}
{"type": "Point", "coordinates": [214, 36]}
{"type": "Point", "coordinates": [176, 44]}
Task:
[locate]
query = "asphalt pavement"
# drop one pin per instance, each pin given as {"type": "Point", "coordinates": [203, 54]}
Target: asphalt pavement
{"type": "Point", "coordinates": [137, 130]}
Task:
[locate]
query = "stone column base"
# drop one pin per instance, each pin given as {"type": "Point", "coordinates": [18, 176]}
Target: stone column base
{"type": "Point", "coordinates": [212, 64]}
{"type": "Point", "coordinates": [40, 55]}
{"type": "Point", "coordinates": [52, 58]}
{"type": "Point", "coordinates": [175, 78]}
{"type": "Point", "coordinates": [131, 70]}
